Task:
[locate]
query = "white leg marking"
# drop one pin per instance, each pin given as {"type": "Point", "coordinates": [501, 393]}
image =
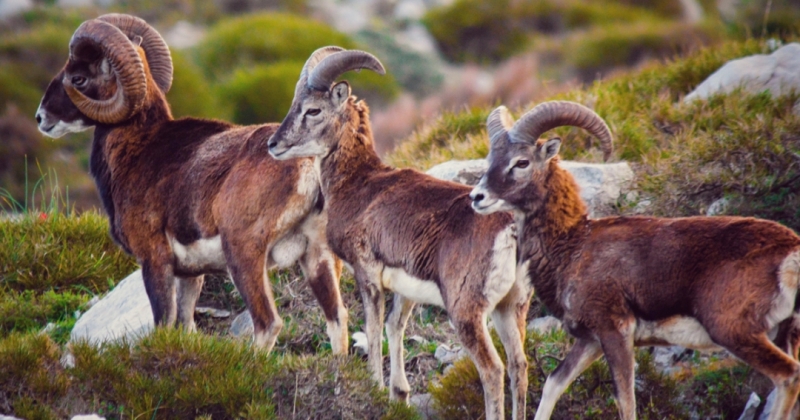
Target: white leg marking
{"type": "Point", "coordinates": [554, 386]}
{"type": "Point", "coordinates": [503, 271]}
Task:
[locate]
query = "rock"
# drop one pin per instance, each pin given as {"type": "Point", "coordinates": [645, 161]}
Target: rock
{"type": "Point", "coordinates": [184, 35]}
{"type": "Point", "coordinates": [4, 417]}
{"type": "Point", "coordinates": [445, 355]}
{"type": "Point", "coordinates": [10, 8]}
{"type": "Point", "coordinates": [123, 312]}
{"type": "Point", "coordinates": [770, 402]}
{"type": "Point", "coordinates": [778, 73]}
{"type": "Point", "coordinates": [87, 417]}
{"type": "Point", "coordinates": [92, 301]}
{"type": "Point", "coordinates": [360, 343]}
{"type": "Point", "coordinates": [750, 409]}
{"type": "Point", "coordinates": [348, 16]}
{"type": "Point", "coordinates": [48, 328]}
{"type": "Point", "coordinates": [544, 325]}
{"type": "Point", "coordinates": [242, 326]}
{"type": "Point", "coordinates": [416, 37]}
{"type": "Point", "coordinates": [416, 339]}
{"type": "Point", "coordinates": [601, 184]}
{"type": "Point", "coordinates": [665, 357]}
{"type": "Point", "coordinates": [409, 10]}
{"type": "Point", "coordinates": [424, 405]}
{"type": "Point", "coordinates": [212, 312]}
{"type": "Point", "coordinates": [718, 207]}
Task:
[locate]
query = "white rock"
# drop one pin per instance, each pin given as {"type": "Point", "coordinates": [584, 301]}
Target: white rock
{"type": "Point", "coordinates": [409, 10]}
{"type": "Point", "coordinates": [348, 16]}
{"type": "Point", "coordinates": [242, 326]}
{"type": "Point", "coordinates": [4, 417]}
{"type": "Point", "coordinates": [10, 8]}
{"type": "Point", "coordinates": [212, 312]}
{"type": "Point", "coordinates": [87, 417]}
{"type": "Point", "coordinates": [416, 38]}
{"type": "Point", "coordinates": [67, 359]}
{"type": "Point", "coordinates": [601, 184]}
{"type": "Point", "coordinates": [779, 73]}
{"type": "Point", "coordinates": [124, 312]}
{"type": "Point", "coordinates": [718, 207]}
{"type": "Point", "coordinates": [771, 402]}
{"type": "Point", "coordinates": [92, 301]}
{"type": "Point", "coordinates": [749, 412]}
{"type": "Point", "coordinates": [544, 325]}
{"type": "Point", "coordinates": [446, 355]}
{"type": "Point", "coordinates": [360, 343]}
{"type": "Point", "coordinates": [424, 405]}
{"type": "Point", "coordinates": [75, 3]}
{"type": "Point", "coordinates": [184, 35]}
{"type": "Point", "coordinates": [665, 357]}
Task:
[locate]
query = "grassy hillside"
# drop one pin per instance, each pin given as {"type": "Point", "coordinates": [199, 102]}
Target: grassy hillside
{"type": "Point", "coordinates": [739, 146]}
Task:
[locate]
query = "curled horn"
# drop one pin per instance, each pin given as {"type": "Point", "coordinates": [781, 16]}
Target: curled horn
{"type": "Point", "coordinates": [155, 48]}
{"type": "Point", "coordinates": [126, 65]}
{"type": "Point", "coordinates": [549, 115]}
{"type": "Point", "coordinates": [312, 62]}
{"type": "Point", "coordinates": [498, 123]}
{"type": "Point", "coordinates": [332, 66]}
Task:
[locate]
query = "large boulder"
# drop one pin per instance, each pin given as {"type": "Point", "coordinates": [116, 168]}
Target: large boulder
{"type": "Point", "coordinates": [601, 184]}
{"type": "Point", "coordinates": [778, 73]}
{"type": "Point", "coordinates": [124, 312]}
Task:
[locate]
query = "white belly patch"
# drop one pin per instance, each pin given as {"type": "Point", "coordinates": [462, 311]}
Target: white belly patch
{"type": "Point", "coordinates": [200, 255]}
{"type": "Point", "coordinates": [420, 291]}
{"type": "Point", "coordinates": [682, 331]}
{"type": "Point", "coordinates": [288, 250]}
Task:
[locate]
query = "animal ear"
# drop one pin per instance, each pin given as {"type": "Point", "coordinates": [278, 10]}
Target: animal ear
{"type": "Point", "coordinates": [550, 148]}
{"type": "Point", "coordinates": [340, 92]}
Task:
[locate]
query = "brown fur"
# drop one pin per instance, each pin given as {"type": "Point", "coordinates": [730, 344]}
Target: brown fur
{"type": "Point", "coordinates": [604, 277]}
{"type": "Point", "coordinates": [193, 179]}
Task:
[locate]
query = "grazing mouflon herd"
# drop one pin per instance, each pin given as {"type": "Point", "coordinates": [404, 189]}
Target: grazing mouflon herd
{"type": "Point", "coordinates": [189, 197]}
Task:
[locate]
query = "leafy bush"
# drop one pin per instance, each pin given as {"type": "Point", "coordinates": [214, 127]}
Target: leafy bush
{"type": "Point", "coordinates": [489, 30]}
{"type": "Point", "coordinates": [172, 374]}
{"type": "Point", "coordinates": [191, 94]}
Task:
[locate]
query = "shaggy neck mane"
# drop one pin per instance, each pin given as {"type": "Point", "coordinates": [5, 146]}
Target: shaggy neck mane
{"type": "Point", "coordinates": [553, 230]}
{"type": "Point", "coordinates": [355, 153]}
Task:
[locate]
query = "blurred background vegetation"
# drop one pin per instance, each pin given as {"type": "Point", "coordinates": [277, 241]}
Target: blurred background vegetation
{"type": "Point", "coordinates": [239, 59]}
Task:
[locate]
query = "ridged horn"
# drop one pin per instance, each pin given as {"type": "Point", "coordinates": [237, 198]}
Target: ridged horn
{"type": "Point", "coordinates": [334, 65]}
{"type": "Point", "coordinates": [155, 48]}
{"type": "Point", "coordinates": [498, 123]}
{"type": "Point", "coordinates": [313, 60]}
{"type": "Point", "coordinates": [126, 65]}
{"type": "Point", "coordinates": [549, 115]}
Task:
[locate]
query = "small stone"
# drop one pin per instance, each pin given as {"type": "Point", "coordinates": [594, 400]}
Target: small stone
{"type": "Point", "coordinates": [48, 328]}
{"type": "Point", "coordinates": [718, 207]}
{"type": "Point", "coordinates": [424, 405]}
{"type": "Point", "coordinates": [445, 355]}
{"type": "Point", "coordinates": [416, 339]}
{"type": "Point", "coordinates": [749, 412]}
{"type": "Point", "coordinates": [87, 417]}
{"type": "Point", "coordinates": [242, 326]}
{"type": "Point", "coordinates": [544, 325]}
{"type": "Point", "coordinates": [212, 312]}
{"type": "Point", "coordinates": [67, 359]}
{"type": "Point", "coordinates": [360, 343]}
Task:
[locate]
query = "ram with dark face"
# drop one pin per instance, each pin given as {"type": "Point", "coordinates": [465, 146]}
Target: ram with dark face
{"type": "Point", "coordinates": [190, 196]}
{"type": "Point", "coordinates": [621, 282]}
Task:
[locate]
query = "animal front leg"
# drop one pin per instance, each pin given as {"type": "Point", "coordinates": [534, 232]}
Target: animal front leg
{"type": "Point", "coordinates": [582, 354]}
{"type": "Point", "coordinates": [159, 283]}
{"type": "Point", "coordinates": [618, 350]}
{"type": "Point", "coordinates": [474, 336]}
{"type": "Point", "coordinates": [395, 327]}
{"type": "Point", "coordinates": [509, 314]}
{"type": "Point", "coordinates": [368, 280]}
{"type": "Point", "coordinates": [189, 289]}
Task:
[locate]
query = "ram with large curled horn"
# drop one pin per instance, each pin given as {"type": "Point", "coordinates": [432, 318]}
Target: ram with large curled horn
{"type": "Point", "coordinates": [409, 233]}
{"type": "Point", "coordinates": [620, 282]}
{"type": "Point", "coordinates": [190, 196]}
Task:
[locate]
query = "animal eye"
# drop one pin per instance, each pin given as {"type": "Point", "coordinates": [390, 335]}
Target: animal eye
{"type": "Point", "coordinates": [312, 112]}
{"type": "Point", "coordinates": [522, 164]}
{"type": "Point", "coordinates": [78, 81]}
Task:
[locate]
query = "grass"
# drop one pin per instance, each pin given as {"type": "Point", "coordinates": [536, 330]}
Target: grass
{"type": "Point", "coordinates": [172, 374]}
{"type": "Point", "coordinates": [740, 146]}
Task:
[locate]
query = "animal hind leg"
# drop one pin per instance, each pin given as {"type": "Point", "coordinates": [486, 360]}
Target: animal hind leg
{"type": "Point", "coordinates": [395, 327]}
{"type": "Point", "coordinates": [368, 281]}
{"type": "Point", "coordinates": [189, 289]}
{"type": "Point", "coordinates": [474, 336]}
{"type": "Point", "coordinates": [323, 271]}
{"type": "Point", "coordinates": [618, 349]}
{"type": "Point", "coordinates": [509, 320]}
{"type": "Point", "coordinates": [582, 354]}
{"type": "Point", "coordinates": [247, 266]}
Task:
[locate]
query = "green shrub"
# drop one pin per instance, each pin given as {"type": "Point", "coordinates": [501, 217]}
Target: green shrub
{"type": "Point", "coordinates": [172, 374]}
{"type": "Point", "coordinates": [191, 94]}
{"type": "Point", "coordinates": [27, 311]}
{"type": "Point", "coordinates": [263, 39]}
{"type": "Point", "coordinates": [490, 30]}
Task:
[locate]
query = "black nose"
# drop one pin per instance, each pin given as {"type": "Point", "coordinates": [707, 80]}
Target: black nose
{"type": "Point", "coordinates": [478, 198]}
{"type": "Point", "coordinates": [38, 118]}
{"type": "Point", "coordinates": [272, 144]}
